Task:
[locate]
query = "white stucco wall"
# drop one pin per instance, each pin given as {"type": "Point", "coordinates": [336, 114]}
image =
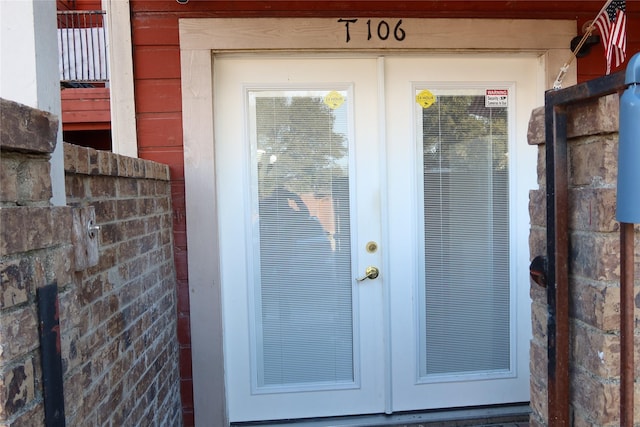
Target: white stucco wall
{"type": "Point", "coordinates": [29, 68]}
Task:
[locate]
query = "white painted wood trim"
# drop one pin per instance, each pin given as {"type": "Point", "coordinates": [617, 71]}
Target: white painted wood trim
{"type": "Point", "coordinates": [548, 39]}
{"type": "Point", "coordinates": [124, 139]}
{"type": "Point", "coordinates": [204, 272]}
{"type": "Point", "coordinates": [329, 33]}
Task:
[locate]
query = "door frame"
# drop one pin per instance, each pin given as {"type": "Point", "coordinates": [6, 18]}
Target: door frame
{"type": "Point", "coordinates": [202, 38]}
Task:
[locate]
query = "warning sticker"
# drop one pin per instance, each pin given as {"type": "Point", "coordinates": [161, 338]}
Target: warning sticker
{"type": "Point", "coordinates": [425, 99]}
{"type": "Point", "coordinates": [496, 98]}
{"type": "Point", "coordinates": [334, 100]}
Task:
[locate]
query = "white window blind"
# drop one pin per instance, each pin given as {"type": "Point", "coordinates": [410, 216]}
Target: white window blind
{"type": "Point", "coordinates": [465, 318]}
{"type": "Point", "coordinates": [303, 295]}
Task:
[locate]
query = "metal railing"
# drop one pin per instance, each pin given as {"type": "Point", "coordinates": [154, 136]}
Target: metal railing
{"type": "Point", "coordinates": [83, 46]}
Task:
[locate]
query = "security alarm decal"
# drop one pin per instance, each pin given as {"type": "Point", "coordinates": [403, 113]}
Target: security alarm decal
{"type": "Point", "coordinates": [334, 100]}
{"type": "Point", "coordinates": [425, 99]}
{"type": "Point", "coordinates": [496, 98]}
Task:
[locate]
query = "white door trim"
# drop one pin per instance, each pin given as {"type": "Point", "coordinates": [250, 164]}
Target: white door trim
{"type": "Point", "coordinates": [200, 39]}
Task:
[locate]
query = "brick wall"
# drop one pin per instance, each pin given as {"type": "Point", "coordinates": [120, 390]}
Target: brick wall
{"type": "Point", "coordinates": [594, 268]}
{"type": "Point", "coordinates": [117, 318]}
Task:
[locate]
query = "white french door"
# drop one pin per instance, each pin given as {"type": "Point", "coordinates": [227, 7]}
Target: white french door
{"type": "Point", "coordinates": [326, 166]}
{"type": "Point", "coordinates": [301, 337]}
{"type": "Point", "coordinates": [459, 171]}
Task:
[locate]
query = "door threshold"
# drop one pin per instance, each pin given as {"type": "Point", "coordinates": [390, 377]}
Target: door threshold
{"type": "Point", "coordinates": [514, 415]}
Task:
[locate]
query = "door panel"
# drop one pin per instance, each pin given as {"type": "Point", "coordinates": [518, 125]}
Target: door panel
{"type": "Point", "coordinates": [457, 229]}
{"type": "Point", "coordinates": [302, 337]}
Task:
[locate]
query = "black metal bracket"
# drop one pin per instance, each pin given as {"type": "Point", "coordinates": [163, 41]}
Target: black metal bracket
{"type": "Point", "coordinates": [51, 355]}
{"type": "Point", "coordinates": [586, 47]}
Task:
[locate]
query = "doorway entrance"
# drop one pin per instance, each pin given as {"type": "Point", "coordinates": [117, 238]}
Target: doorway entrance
{"type": "Point", "coordinates": [372, 233]}
{"type": "Point", "coordinates": [204, 40]}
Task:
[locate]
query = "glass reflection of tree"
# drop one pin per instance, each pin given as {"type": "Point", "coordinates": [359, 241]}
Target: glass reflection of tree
{"type": "Point", "coordinates": [466, 235]}
{"type": "Point", "coordinates": [305, 287]}
{"type": "Point", "coordinates": [299, 148]}
{"type": "Point", "coordinates": [465, 129]}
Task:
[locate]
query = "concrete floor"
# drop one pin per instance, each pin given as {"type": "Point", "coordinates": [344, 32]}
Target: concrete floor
{"type": "Point", "coordinates": [498, 416]}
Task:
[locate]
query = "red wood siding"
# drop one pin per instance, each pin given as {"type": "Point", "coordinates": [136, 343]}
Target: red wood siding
{"type": "Point", "coordinates": [157, 95]}
{"type": "Point", "coordinates": [85, 109]}
{"type": "Point", "coordinates": [157, 82]}
{"type": "Point", "coordinates": [161, 130]}
{"type": "Point", "coordinates": [79, 4]}
{"type": "Point", "coordinates": [544, 9]}
{"type": "Point", "coordinates": [157, 62]}
{"type": "Point", "coordinates": [155, 29]}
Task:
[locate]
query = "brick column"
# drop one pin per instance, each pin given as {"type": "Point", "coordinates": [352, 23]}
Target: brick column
{"type": "Point", "coordinates": [594, 267]}
{"type": "Point", "coordinates": [35, 246]}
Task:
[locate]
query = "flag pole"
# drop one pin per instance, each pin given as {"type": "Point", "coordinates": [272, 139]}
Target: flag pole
{"type": "Point", "coordinates": [563, 70]}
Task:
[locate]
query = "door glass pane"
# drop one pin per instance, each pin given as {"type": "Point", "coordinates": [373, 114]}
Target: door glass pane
{"type": "Point", "coordinates": [302, 251]}
{"type": "Point", "coordinates": [465, 318]}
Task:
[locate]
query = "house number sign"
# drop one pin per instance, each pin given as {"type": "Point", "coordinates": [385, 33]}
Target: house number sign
{"type": "Point", "coordinates": [381, 29]}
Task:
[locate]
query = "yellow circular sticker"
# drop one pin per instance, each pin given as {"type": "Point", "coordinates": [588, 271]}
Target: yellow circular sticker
{"type": "Point", "coordinates": [334, 100]}
{"type": "Point", "coordinates": [425, 99]}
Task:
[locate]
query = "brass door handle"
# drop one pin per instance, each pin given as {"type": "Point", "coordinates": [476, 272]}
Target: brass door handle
{"type": "Point", "coordinates": [370, 272]}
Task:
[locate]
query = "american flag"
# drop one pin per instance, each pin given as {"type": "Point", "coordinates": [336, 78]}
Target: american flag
{"type": "Point", "coordinates": [612, 23]}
